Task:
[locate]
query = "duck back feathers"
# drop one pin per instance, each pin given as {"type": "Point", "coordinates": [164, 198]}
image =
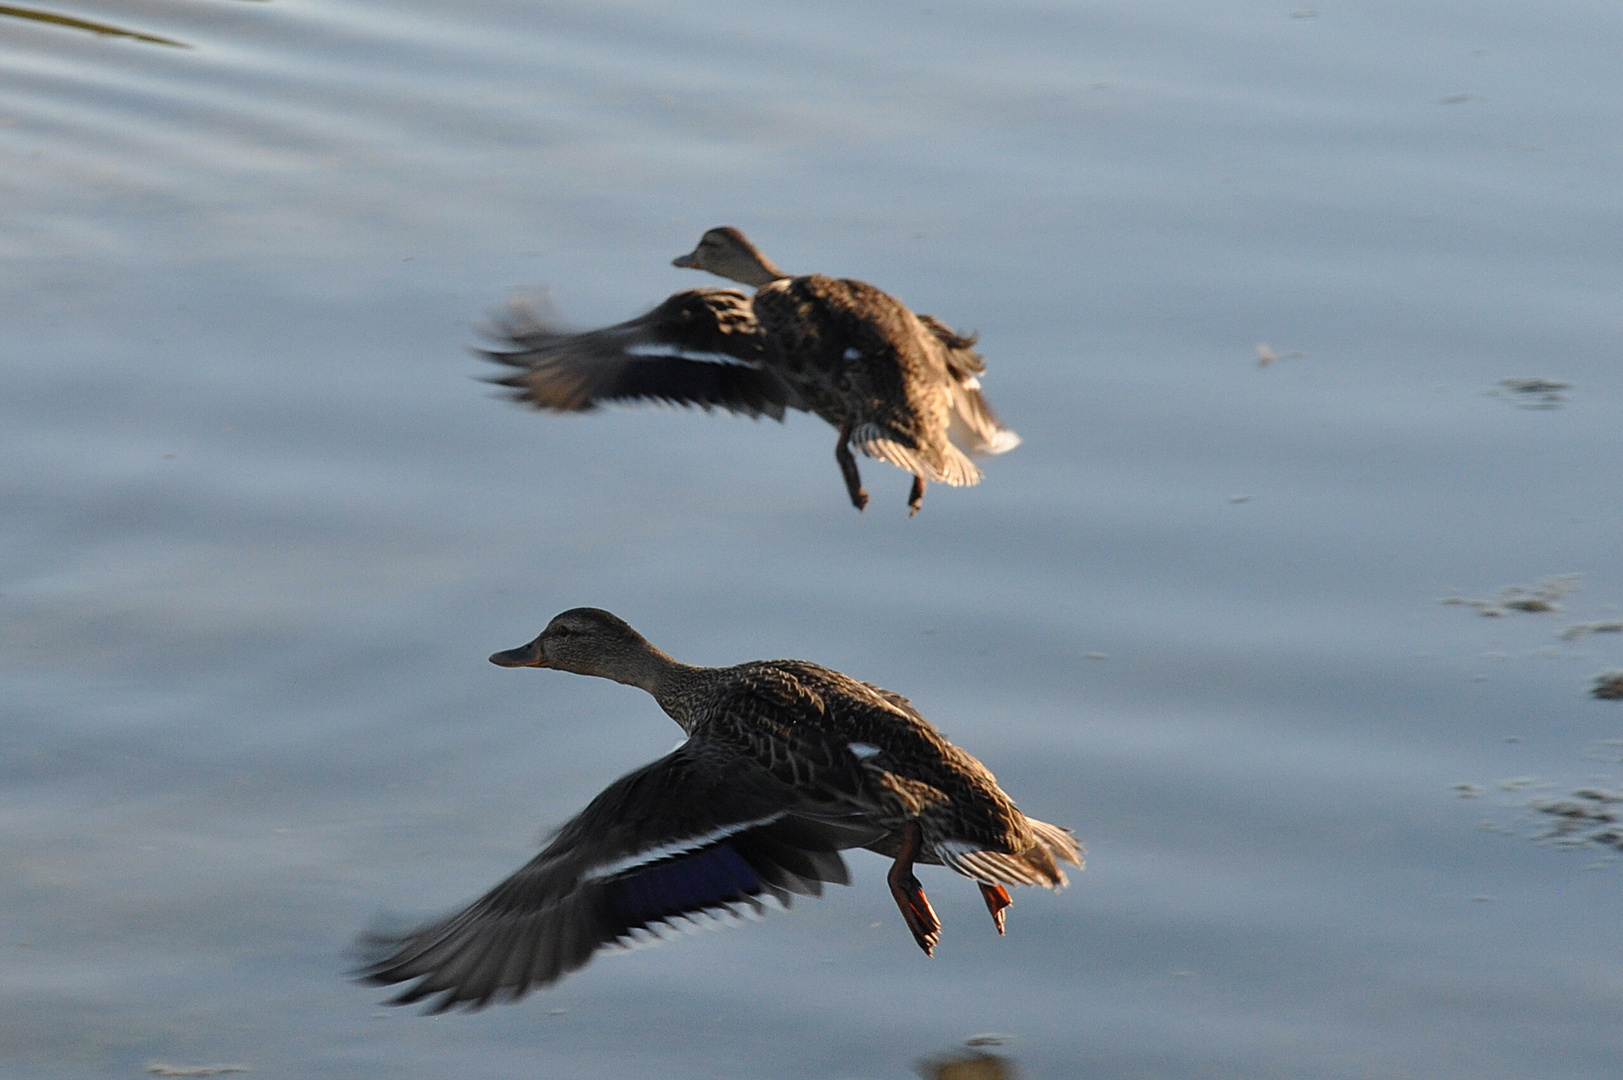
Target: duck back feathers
{"type": "Point", "coordinates": [865, 363]}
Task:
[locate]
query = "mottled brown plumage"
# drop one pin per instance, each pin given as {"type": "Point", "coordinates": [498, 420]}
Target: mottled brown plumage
{"type": "Point", "coordinates": [786, 764]}
{"type": "Point", "coordinates": [898, 386]}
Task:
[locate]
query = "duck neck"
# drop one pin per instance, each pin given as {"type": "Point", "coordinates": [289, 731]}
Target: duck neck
{"type": "Point", "coordinates": [665, 678]}
{"type": "Point", "coordinates": [753, 270]}
{"type": "Point", "coordinates": [674, 693]}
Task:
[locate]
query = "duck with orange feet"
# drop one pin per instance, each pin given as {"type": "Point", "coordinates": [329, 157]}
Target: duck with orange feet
{"type": "Point", "coordinates": [786, 764]}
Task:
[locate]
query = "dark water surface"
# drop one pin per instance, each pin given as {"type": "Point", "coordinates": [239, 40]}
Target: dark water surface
{"type": "Point", "coordinates": [261, 526]}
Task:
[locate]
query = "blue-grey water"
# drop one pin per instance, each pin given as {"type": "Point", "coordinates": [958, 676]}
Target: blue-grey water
{"type": "Point", "coordinates": [261, 525]}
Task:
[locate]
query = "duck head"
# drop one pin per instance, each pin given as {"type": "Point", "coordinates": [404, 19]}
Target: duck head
{"type": "Point", "coordinates": [727, 253]}
{"type": "Point", "coordinates": [590, 641]}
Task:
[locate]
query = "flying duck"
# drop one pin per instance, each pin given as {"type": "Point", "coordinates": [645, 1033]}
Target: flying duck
{"type": "Point", "coordinates": [898, 386]}
{"type": "Point", "coordinates": [786, 764]}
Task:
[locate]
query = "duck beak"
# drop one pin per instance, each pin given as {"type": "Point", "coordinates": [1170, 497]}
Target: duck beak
{"type": "Point", "coordinates": [690, 261]}
{"type": "Point", "coordinates": [531, 655]}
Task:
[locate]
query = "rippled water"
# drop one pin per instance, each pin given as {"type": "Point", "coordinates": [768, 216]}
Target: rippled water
{"type": "Point", "coordinates": [262, 526]}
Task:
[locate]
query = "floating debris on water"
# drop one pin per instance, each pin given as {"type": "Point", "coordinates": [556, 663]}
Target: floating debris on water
{"type": "Point", "coordinates": [1608, 686]}
{"type": "Point", "coordinates": [1457, 99]}
{"type": "Point", "coordinates": [1531, 393]}
{"type": "Point", "coordinates": [1541, 597]}
{"type": "Point", "coordinates": [1237, 499]}
{"type": "Point", "coordinates": [1532, 600]}
{"type": "Point", "coordinates": [1266, 354]}
{"type": "Point", "coordinates": [1578, 630]}
{"type": "Point", "coordinates": [160, 1069]}
{"type": "Point", "coordinates": [1592, 816]}
{"type": "Point", "coordinates": [1588, 817]}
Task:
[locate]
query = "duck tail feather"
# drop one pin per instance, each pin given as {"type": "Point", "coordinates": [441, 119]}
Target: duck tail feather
{"type": "Point", "coordinates": [951, 466]}
{"type": "Point", "coordinates": [1060, 842]}
{"type": "Point", "coordinates": [960, 348]}
{"type": "Point", "coordinates": [974, 426]}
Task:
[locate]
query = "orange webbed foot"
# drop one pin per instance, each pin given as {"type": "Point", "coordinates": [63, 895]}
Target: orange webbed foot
{"type": "Point", "coordinates": [916, 911]}
{"type": "Point", "coordinates": [909, 894]}
{"type": "Point", "coordinates": [997, 902]}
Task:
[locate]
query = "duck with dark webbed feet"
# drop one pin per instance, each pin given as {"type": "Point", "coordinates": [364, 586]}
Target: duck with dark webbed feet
{"type": "Point", "coordinates": [786, 764]}
{"type": "Point", "coordinates": [898, 386]}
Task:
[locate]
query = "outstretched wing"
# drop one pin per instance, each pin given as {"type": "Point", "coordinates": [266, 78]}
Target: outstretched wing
{"type": "Point", "coordinates": [700, 347]}
{"type": "Point", "coordinates": [701, 830]}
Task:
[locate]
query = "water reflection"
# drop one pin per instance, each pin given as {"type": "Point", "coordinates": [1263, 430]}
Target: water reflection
{"type": "Point", "coordinates": [104, 29]}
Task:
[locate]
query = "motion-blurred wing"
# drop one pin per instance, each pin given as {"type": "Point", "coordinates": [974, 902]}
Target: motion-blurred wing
{"type": "Point", "coordinates": [699, 831]}
{"type": "Point", "coordinates": [701, 347]}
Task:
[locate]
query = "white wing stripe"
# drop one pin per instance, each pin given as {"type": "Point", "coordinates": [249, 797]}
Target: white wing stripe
{"type": "Point", "coordinates": [674, 847]}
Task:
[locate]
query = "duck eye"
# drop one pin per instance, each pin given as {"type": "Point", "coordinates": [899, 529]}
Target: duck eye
{"type": "Point", "coordinates": [561, 631]}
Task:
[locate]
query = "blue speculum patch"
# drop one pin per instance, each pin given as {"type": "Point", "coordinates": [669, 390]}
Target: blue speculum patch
{"type": "Point", "coordinates": [706, 879]}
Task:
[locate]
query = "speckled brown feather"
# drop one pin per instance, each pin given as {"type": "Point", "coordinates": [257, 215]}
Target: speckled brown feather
{"type": "Point", "coordinates": [798, 719]}
{"type": "Point", "coordinates": [858, 357]}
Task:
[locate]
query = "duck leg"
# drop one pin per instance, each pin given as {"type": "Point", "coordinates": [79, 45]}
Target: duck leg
{"type": "Point", "coordinates": [916, 910]}
{"type": "Point", "coordinates": [915, 498]}
{"type": "Point", "coordinates": [848, 468]}
{"type": "Point", "coordinates": [997, 902]}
